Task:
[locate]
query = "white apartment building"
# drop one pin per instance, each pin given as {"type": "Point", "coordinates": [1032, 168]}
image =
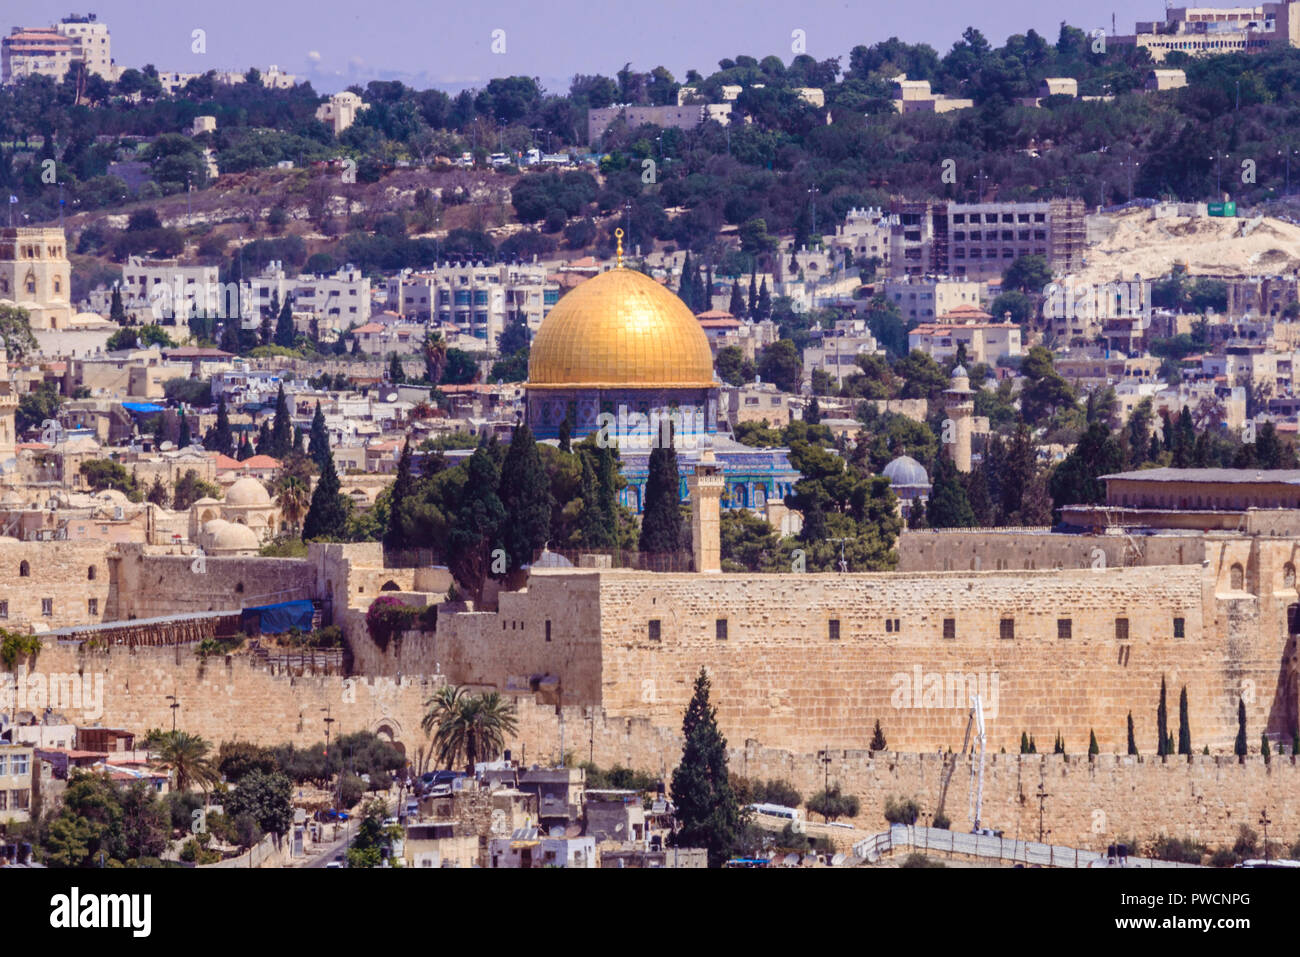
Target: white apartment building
{"type": "Point", "coordinates": [985, 341]}
{"type": "Point", "coordinates": [835, 351]}
{"type": "Point", "coordinates": [273, 78]}
{"type": "Point", "coordinates": [50, 51]}
{"type": "Point", "coordinates": [479, 300]}
{"type": "Point", "coordinates": [925, 299]}
{"type": "Point", "coordinates": [340, 111]}
{"type": "Point", "coordinates": [335, 301]}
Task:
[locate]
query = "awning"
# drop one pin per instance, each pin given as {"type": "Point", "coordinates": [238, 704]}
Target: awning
{"type": "Point", "coordinates": [278, 618]}
{"type": "Point", "coordinates": [143, 408]}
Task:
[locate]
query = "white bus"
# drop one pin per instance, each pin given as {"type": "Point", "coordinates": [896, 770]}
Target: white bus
{"type": "Point", "coordinates": [792, 814]}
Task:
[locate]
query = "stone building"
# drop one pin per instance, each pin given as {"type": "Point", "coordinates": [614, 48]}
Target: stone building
{"type": "Point", "coordinates": [35, 274]}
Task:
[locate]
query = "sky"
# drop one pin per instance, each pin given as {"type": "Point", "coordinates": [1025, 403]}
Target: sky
{"type": "Point", "coordinates": [430, 43]}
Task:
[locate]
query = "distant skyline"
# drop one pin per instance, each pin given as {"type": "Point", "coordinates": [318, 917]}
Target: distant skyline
{"type": "Point", "coordinates": [334, 44]}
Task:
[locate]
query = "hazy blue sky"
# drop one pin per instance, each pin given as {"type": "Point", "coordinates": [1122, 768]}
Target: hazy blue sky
{"type": "Point", "coordinates": [429, 43]}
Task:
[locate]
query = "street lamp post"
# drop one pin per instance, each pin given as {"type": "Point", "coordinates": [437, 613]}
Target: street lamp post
{"type": "Point", "coordinates": [1265, 822]}
{"type": "Point", "coordinates": [174, 705]}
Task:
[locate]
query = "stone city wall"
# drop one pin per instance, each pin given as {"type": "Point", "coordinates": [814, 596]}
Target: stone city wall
{"type": "Point", "coordinates": [73, 577]}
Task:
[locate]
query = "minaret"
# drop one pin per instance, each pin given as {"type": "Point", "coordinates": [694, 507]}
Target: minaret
{"type": "Point", "coordinates": [705, 485]}
{"type": "Point", "coordinates": [8, 411]}
{"type": "Point", "coordinates": [959, 404]}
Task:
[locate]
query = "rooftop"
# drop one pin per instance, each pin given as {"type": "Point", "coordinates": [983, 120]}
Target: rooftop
{"type": "Point", "coordinates": [1234, 476]}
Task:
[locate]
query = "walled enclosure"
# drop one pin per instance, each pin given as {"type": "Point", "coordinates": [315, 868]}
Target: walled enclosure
{"type": "Point", "coordinates": [1091, 802]}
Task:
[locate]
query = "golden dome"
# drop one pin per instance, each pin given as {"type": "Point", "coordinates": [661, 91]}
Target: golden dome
{"type": "Point", "coordinates": [618, 329]}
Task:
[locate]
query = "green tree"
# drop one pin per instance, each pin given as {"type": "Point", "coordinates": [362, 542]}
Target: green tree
{"type": "Point", "coordinates": [781, 365]}
{"type": "Point", "coordinates": [266, 796]}
{"type": "Point", "coordinates": [116, 311]}
{"type": "Point", "coordinates": [708, 812]}
{"type": "Point", "coordinates": [284, 331]}
{"type": "Point", "coordinates": [327, 517]}
{"type": "Point", "coordinates": [877, 738]}
{"type": "Point", "coordinates": [185, 756]}
{"type": "Point", "coordinates": [1028, 274]}
{"type": "Point", "coordinates": [733, 367]}
{"type": "Point", "coordinates": [1162, 721]}
{"type": "Point", "coordinates": [189, 488]}
{"type": "Point", "coordinates": [476, 529]}
{"type": "Point", "coordinates": [1184, 728]}
{"type": "Point", "coordinates": [403, 487]}
{"type": "Point", "coordinates": [16, 331]}
{"type": "Point", "coordinates": [219, 437]}
{"type": "Point", "coordinates": [831, 804]}
{"type": "Point", "coordinates": [473, 727]}
{"type": "Point", "coordinates": [1132, 740]}
{"type": "Point", "coordinates": [1239, 747]}
{"type": "Point", "coordinates": [661, 519]}
{"type": "Point", "coordinates": [318, 446]}
{"type": "Point", "coordinates": [235, 759]}
{"type": "Point", "coordinates": [1092, 743]}
{"type": "Point", "coordinates": [526, 495]}
{"type": "Point", "coordinates": [282, 427]}
{"type": "Point", "coordinates": [395, 373]}
{"type": "Point", "coordinates": [948, 506]}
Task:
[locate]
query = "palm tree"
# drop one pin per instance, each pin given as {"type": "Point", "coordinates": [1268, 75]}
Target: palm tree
{"type": "Point", "coordinates": [475, 726]}
{"type": "Point", "coordinates": [186, 756]}
{"type": "Point", "coordinates": [294, 498]}
{"type": "Point", "coordinates": [435, 356]}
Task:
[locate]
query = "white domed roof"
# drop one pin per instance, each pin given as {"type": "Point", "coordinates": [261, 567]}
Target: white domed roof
{"type": "Point", "coordinates": [248, 491]}
{"type": "Point", "coordinates": [206, 500]}
{"type": "Point", "coordinates": [112, 496]}
{"type": "Point", "coordinates": [215, 525]}
{"type": "Point", "coordinates": [234, 535]}
{"type": "Point", "coordinates": [904, 471]}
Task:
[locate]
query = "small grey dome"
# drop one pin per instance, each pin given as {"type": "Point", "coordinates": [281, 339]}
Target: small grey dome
{"type": "Point", "coordinates": [906, 471]}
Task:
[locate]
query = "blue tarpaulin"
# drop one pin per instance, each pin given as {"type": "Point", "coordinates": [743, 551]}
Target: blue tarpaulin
{"type": "Point", "coordinates": [143, 407]}
{"type": "Point", "coordinates": [278, 618]}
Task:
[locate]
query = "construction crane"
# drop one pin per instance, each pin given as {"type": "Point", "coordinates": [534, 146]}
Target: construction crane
{"type": "Point", "coordinates": [952, 765]}
{"type": "Point", "coordinates": [977, 712]}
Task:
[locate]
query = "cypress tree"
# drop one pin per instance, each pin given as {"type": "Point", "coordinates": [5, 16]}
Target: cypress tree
{"type": "Point", "coordinates": [1162, 722]}
{"type": "Point", "coordinates": [764, 301]}
{"type": "Point", "coordinates": [752, 309]}
{"type": "Point", "coordinates": [526, 495]}
{"type": "Point", "coordinates": [116, 311]}
{"type": "Point", "coordinates": [284, 331]}
{"type": "Point", "coordinates": [395, 534]}
{"type": "Point", "coordinates": [1295, 742]}
{"type": "Point", "coordinates": [1092, 743]}
{"type": "Point", "coordinates": [266, 329]}
{"type": "Point", "coordinates": [230, 337]}
{"type": "Point", "coordinates": [813, 414]}
{"type": "Point", "coordinates": [566, 434]}
{"type": "Point", "coordinates": [219, 438]}
{"type": "Point", "coordinates": [1264, 748]}
{"type": "Point", "coordinates": [661, 519]}
{"type": "Point", "coordinates": [948, 506]}
{"type": "Point", "coordinates": [263, 445]}
{"type": "Point", "coordinates": [707, 807]}
{"type": "Point", "coordinates": [395, 373]}
{"type": "Point", "coordinates": [474, 532]}
{"type": "Point", "coordinates": [1024, 742]}
{"type": "Point", "coordinates": [878, 738]}
{"type": "Point", "coordinates": [327, 517]}
{"type": "Point", "coordinates": [607, 479]}
{"type": "Point", "coordinates": [700, 291]}
{"type": "Point", "coordinates": [1059, 746]}
{"type": "Point", "coordinates": [185, 438]}
{"type": "Point", "coordinates": [591, 525]}
{"type": "Point", "coordinates": [1132, 741]}
{"type": "Point", "coordinates": [318, 447]}
{"type": "Point", "coordinates": [1239, 748]}
{"type": "Point", "coordinates": [686, 288]}
{"type": "Point", "coordinates": [282, 430]}
{"type": "Point", "coordinates": [1033, 745]}
{"type": "Point", "coordinates": [737, 305]}
{"type": "Point", "coordinates": [1184, 728]}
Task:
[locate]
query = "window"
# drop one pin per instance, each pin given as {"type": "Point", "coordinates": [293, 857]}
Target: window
{"type": "Point", "coordinates": [1121, 629]}
{"type": "Point", "coordinates": [1007, 628]}
{"type": "Point", "coordinates": [18, 764]}
{"type": "Point", "coordinates": [90, 573]}
{"type": "Point", "coordinates": [833, 627]}
{"type": "Point", "coordinates": [1236, 578]}
{"type": "Point", "coordinates": [4, 765]}
{"type": "Point", "coordinates": [24, 570]}
{"type": "Point", "coordinates": [1064, 627]}
{"type": "Point", "coordinates": [21, 799]}
{"type": "Point", "coordinates": [654, 629]}
{"type": "Point", "coordinates": [4, 608]}
{"type": "Point", "coordinates": [4, 800]}
{"type": "Point", "coordinates": [548, 629]}
{"type": "Point", "coordinates": [1180, 627]}
{"type": "Point", "coordinates": [893, 625]}
{"type": "Point", "coordinates": [47, 607]}
{"type": "Point", "coordinates": [92, 606]}
{"type": "Point", "coordinates": [720, 629]}
{"type": "Point", "coordinates": [950, 628]}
